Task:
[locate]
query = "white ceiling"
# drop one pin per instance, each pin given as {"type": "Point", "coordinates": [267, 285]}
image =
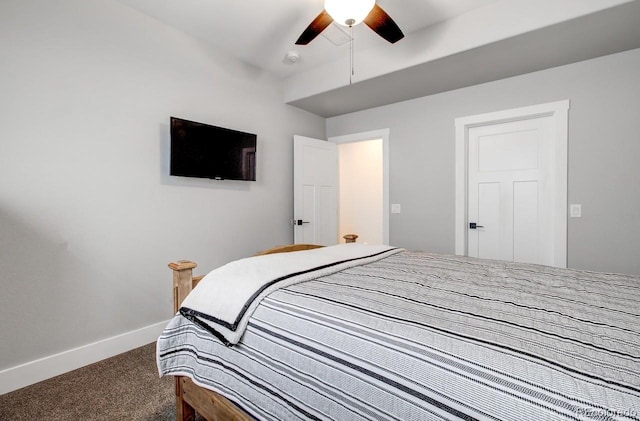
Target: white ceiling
{"type": "Point", "coordinates": [261, 32]}
{"type": "Point", "coordinates": [449, 43]}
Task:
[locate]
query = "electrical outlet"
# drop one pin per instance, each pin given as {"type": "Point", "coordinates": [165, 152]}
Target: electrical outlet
{"type": "Point", "coordinates": [395, 208]}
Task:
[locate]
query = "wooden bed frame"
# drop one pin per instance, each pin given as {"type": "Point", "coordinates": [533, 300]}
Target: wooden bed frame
{"type": "Point", "coordinates": [191, 398]}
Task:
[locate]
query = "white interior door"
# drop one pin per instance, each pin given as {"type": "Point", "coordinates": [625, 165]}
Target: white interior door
{"type": "Point", "coordinates": [315, 191]}
{"type": "Point", "coordinates": [558, 112]}
{"type": "Point", "coordinates": [511, 195]}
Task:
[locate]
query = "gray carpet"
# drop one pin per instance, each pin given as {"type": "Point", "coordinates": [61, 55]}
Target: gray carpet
{"type": "Point", "coordinates": [125, 387]}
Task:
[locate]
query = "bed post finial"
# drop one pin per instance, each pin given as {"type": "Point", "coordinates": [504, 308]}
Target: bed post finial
{"type": "Point", "coordinates": [182, 281]}
{"type": "Point", "coordinates": [350, 238]}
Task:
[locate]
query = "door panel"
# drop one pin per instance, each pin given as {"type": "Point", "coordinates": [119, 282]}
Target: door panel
{"type": "Point", "coordinates": [489, 213]}
{"type": "Point", "coordinates": [508, 151]}
{"type": "Point", "coordinates": [526, 224]}
{"type": "Point", "coordinates": [328, 230]}
{"type": "Point", "coordinates": [306, 230]}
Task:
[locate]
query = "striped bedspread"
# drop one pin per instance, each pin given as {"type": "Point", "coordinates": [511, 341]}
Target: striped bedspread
{"type": "Point", "coordinates": [418, 336]}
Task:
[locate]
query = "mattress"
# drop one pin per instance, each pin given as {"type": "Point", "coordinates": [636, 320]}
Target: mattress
{"type": "Point", "coordinates": [418, 336]}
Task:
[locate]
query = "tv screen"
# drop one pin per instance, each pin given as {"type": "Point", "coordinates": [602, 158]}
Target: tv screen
{"type": "Point", "coordinates": [205, 151]}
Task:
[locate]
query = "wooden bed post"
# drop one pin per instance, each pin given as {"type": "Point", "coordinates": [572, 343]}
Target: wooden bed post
{"type": "Point", "coordinates": [182, 286]}
{"type": "Point", "coordinates": [182, 281]}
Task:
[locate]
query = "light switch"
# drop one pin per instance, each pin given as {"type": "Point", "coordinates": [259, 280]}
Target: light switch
{"type": "Point", "coordinates": [395, 208]}
{"type": "Point", "coordinates": [575, 211]}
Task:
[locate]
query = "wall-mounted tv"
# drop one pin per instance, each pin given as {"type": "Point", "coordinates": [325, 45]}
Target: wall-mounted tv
{"type": "Point", "coordinates": [205, 151]}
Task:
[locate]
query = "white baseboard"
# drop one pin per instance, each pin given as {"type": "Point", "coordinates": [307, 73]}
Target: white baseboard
{"type": "Point", "coordinates": [44, 368]}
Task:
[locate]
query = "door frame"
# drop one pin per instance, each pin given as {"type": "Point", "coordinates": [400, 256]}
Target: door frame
{"type": "Point", "coordinates": [559, 111]}
{"type": "Point", "coordinates": [371, 135]}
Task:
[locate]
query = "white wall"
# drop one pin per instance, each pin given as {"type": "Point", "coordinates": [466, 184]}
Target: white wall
{"type": "Point", "coordinates": [604, 150]}
{"type": "Point", "coordinates": [89, 217]}
{"type": "Point", "coordinates": [361, 196]}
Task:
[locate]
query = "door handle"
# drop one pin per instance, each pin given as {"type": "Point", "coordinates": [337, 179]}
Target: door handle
{"type": "Point", "coordinates": [300, 222]}
{"type": "Point", "coordinates": [473, 225]}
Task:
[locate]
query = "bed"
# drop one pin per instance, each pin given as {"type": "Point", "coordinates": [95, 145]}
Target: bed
{"type": "Point", "coordinates": [355, 332]}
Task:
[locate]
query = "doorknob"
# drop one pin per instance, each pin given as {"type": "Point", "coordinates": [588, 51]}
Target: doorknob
{"type": "Point", "coordinates": [473, 225]}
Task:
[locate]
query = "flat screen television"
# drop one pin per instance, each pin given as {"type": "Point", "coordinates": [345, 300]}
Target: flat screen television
{"type": "Point", "coordinates": [205, 151]}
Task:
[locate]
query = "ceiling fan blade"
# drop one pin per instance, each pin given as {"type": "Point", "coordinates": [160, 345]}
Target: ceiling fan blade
{"type": "Point", "coordinates": [315, 28]}
{"type": "Point", "coordinates": [383, 25]}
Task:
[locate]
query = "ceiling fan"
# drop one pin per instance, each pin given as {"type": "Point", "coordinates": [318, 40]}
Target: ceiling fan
{"type": "Point", "coordinates": [350, 13]}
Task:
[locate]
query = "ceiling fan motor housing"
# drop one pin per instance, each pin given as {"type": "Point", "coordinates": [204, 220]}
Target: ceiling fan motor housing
{"type": "Point", "coordinates": [349, 12]}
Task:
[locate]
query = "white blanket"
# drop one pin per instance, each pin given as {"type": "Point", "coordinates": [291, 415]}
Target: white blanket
{"type": "Point", "coordinates": [225, 298]}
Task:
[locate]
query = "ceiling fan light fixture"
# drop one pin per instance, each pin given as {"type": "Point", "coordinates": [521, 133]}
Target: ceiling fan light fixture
{"type": "Point", "coordinates": [348, 12]}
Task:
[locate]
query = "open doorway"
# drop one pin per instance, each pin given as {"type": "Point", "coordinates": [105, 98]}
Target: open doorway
{"type": "Point", "coordinates": [363, 186]}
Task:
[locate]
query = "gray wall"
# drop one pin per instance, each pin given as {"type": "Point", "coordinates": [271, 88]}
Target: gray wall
{"type": "Point", "coordinates": [89, 217]}
{"type": "Point", "coordinates": [604, 152]}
